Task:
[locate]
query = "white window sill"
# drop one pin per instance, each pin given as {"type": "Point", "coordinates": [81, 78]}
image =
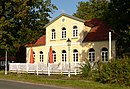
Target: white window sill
{"type": "Point", "coordinates": [52, 39]}
{"type": "Point", "coordinates": [63, 38]}
{"type": "Point", "coordinates": [75, 37]}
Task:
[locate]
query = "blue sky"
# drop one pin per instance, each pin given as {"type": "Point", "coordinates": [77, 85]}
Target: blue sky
{"type": "Point", "coordinates": [65, 6]}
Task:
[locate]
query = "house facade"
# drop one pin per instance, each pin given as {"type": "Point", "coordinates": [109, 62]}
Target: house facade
{"type": "Point", "coordinates": [89, 41]}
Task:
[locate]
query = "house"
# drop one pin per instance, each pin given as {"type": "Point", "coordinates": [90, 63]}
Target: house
{"type": "Point", "coordinates": [9, 60]}
{"type": "Point", "coordinates": [89, 41]}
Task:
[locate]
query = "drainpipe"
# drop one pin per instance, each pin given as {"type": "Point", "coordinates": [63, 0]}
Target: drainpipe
{"type": "Point", "coordinates": [110, 46]}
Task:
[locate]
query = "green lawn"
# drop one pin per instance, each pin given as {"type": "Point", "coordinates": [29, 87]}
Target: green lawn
{"type": "Point", "coordinates": [60, 80]}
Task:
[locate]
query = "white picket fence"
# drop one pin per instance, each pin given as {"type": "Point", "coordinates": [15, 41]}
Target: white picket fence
{"type": "Point", "coordinates": [50, 68]}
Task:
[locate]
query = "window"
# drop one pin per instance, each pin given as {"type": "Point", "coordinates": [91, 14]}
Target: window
{"type": "Point", "coordinates": [41, 56]}
{"type": "Point", "coordinates": [63, 56]}
{"type": "Point", "coordinates": [91, 55]}
{"type": "Point", "coordinates": [53, 36]}
{"type": "Point", "coordinates": [54, 56]}
{"type": "Point", "coordinates": [104, 54]}
{"type": "Point", "coordinates": [63, 32]}
{"type": "Point", "coordinates": [63, 20]}
{"type": "Point", "coordinates": [2, 63]}
{"type": "Point", "coordinates": [75, 56]}
{"type": "Point", "coordinates": [75, 31]}
{"type": "Point", "coordinates": [34, 56]}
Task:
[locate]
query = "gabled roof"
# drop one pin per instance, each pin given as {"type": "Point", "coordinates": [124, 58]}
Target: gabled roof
{"type": "Point", "coordinates": [99, 31]}
{"type": "Point", "coordinates": [40, 41]}
{"type": "Point", "coordinates": [63, 14]}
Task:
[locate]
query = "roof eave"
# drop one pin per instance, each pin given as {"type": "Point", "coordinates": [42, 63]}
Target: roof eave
{"type": "Point", "coordinates": [97, 40]}
{"type": "Point", "coordinates": [36, 45]}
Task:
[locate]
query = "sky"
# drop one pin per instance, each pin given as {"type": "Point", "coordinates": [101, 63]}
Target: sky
{"type": "Point", "coordinates": [65, 6]}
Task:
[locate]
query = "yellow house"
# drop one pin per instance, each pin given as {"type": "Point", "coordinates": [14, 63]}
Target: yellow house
{"type": "Point", "coordinates": [90, 41]}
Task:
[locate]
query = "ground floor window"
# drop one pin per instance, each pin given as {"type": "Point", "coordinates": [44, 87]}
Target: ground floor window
{"type": "Point", "coordinates": [54, 56]}
{"type": "Point", "coordinates": [104, 54]}
{"type": "Point", "coordinates": [75, 56]}
{"type": "Point", "coordinates": [91, 55]}
{"type": "Point", "coordinates": [2, 63]}
{"type": "Point", "coordinates": [63, 56]}
{"type": "Point", "coordinates": [41, 56]}
{"type": "Point", "coordinates": [34, 56]}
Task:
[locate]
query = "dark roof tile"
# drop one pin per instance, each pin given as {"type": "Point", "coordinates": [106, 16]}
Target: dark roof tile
{"type": "Point", "coordinates": [99, 31]}
{"type": "Point", "coordinates": [40, 41]}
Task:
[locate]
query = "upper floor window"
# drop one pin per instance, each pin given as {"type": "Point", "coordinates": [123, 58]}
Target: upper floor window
{"type": "Point", "coordinates": [63, 32]}
{"type": "Point", "coordinates": [75, 31]}
{"type": "Point", "coordinates": [91, 55]}
{"type": "Point", "coordinates": [41, 56]}
{"type": "Point", "coordinates": [54, 56]}
{"type": "Point", "coordinates": [63, 56]}
{"type": "Point", "coordinates": [53, 34]}
{"type": "Point", "coordinates": [104, 54]}
{"type": "Point", "coordinates": [75, 56]}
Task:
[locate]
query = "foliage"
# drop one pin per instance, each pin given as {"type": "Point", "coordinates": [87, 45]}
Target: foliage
{"type": "Point", "coordinates": [85, 69]}
{"type": "Point", "coordinates": [90, 71]}
{"type": "Point", "coordinates": [91, 9]}
{"type": "Point", "coordinates": [117, 71]}
{"type": "Point", "coordinates": [22, 21]}
{"type": "Point", "coordinates": [114, 12]}
{"type": "Point", "coordinates": [118, 17]}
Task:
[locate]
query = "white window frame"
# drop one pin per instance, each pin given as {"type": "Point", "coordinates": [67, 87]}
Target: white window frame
{"type": "Point", "coordinates": [54, 55]}
{"type": "Point", "coordinates": [2, 63]}
{"type": "Point", "coordinates": [34, 55]}
{"type": "Point", "coordinates": [41, 56]}
{"type": "Point", "coordinates": [64, 56]}
{"type": "Point", "coordinates": [75, 56]}
{"type": "Point", "coordinates": [75, 31]}
{"type": "Point", "coordinates": [91, 55]}
{"type": "Point", "coordinates": [104, 55]}
{"type": "Point", "coordinates": [63, 34]}
{"type": "Point", "coordinates": [53, 34]}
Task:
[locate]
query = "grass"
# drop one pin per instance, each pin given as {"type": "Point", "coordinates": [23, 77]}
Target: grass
{"type": "Point", "coordinates": [77, 82]}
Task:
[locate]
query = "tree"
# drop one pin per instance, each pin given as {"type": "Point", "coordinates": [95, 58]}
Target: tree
{"type": "Point", "coordinates": [91, 9]}
{"type": "Point", "coordinates": [114, 12]}
{"type": "Point", "coordinates": [118, 17]}
{"type": "Point", "coordinates": [22, 21]}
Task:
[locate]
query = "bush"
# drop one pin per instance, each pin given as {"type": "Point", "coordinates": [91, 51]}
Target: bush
{"type": "Point", "coordinates": [85, 69]}
{"type": "Point", "coordinates": [117, 71]}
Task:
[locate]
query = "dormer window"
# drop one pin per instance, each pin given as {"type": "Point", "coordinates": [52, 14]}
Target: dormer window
{"type": "Point", "coordinates": [53, 36]}
{"type": "Point", "coordinates": [63, 32]}
{"type": "Point", "coordinates": [75, 31]}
